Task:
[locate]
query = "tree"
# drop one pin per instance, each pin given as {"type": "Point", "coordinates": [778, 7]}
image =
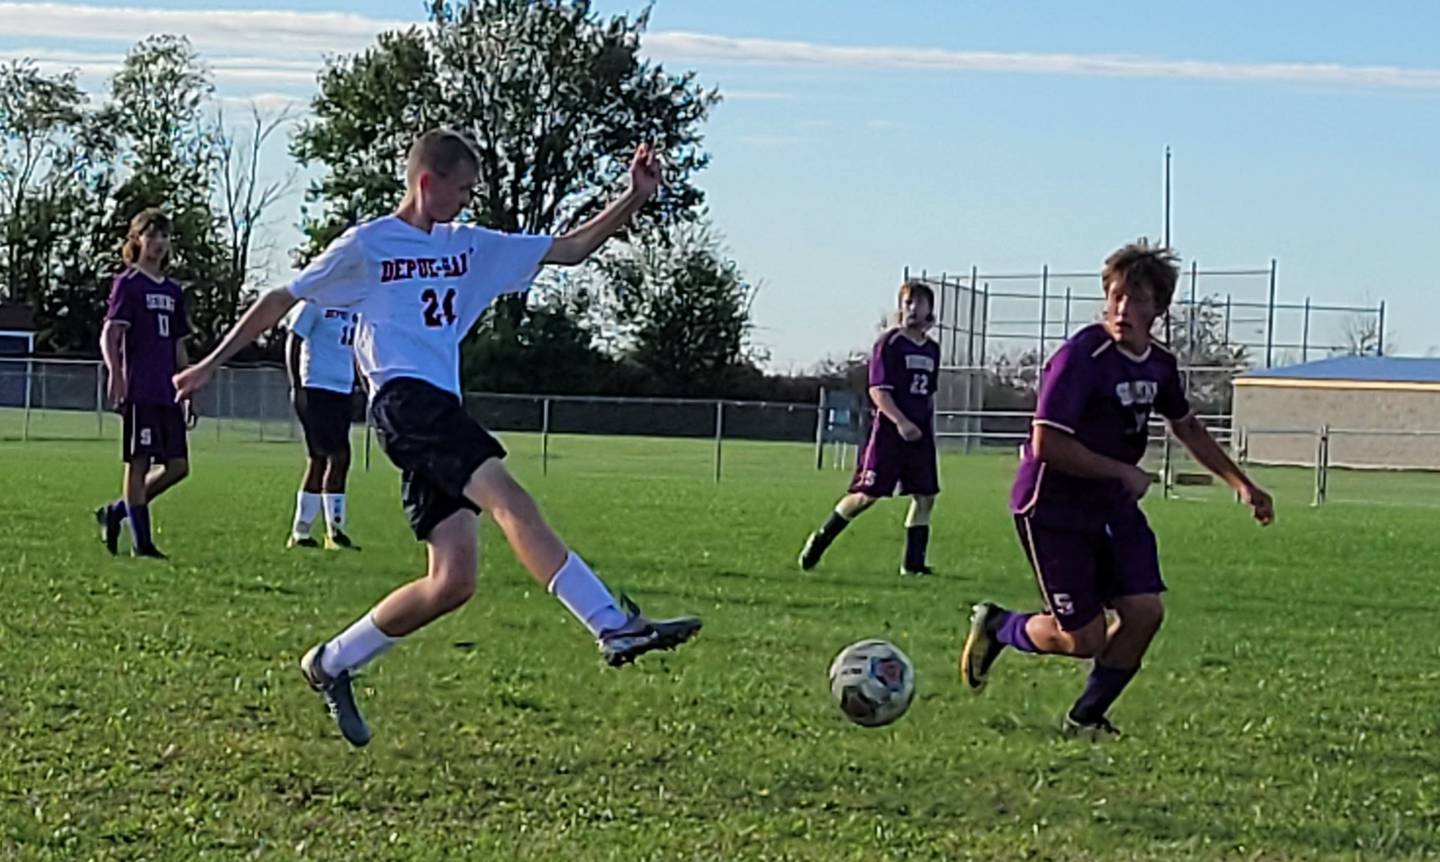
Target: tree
{"type": "Point", "coordinates": [159, 105]}
{"type": "Point", "coordinates": [554, 96]}
{"type": "Point", "coordinates": [1199, 341]}
{"type": "Point", "coordinates": [1360, 336]}
{"type": "Point", "coordinates": [682, 307]}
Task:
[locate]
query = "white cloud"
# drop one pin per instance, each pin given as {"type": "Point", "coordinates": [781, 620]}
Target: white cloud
{"type": "Point", "coordinates": [700, 47]}
{"type": "Point", "coordinates": [269, 31]}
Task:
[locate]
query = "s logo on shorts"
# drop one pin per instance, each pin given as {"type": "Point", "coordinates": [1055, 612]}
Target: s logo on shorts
{"type": "Point", "coordinates": [867, 478]}
{"type": "Point", "coordinates": [1062, 604]}
{"type": "Point", "coordinates": [144, 436]}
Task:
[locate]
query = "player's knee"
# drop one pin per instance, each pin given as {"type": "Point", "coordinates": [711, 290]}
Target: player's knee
{"type": "Point", "coordinates": [177, 469]}
{"type": "Point", "coordinates": [1142, 612]}
{"type": "Point", "coordinates": [453, 583]}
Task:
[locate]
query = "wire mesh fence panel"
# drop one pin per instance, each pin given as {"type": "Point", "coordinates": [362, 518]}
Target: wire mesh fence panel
{"type": "Point", "coordinates": [771, 442]}
{"type": "Point", "coordinates": [1382, 467]}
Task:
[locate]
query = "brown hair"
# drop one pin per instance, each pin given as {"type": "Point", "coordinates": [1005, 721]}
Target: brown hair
{"type": "Point", "coordinates": [440, 151]}
{"type": "Point", "coordinates": [918, 288]}
{"type": "Point", "coordinates": [1141, 263]}
{"type": "Point", "coordinates": [143, 221]}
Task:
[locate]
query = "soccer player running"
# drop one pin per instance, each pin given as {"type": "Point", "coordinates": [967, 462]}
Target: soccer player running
{"type": "Point", "coordinates": [143, 342]}
{"type": "Point", "coordinates": [1076, 495]}
{"type": "Point", "coordinates": [321, 361]}
{"type": "Point", "coordinates": [900, 453]}
{"type": "Point", "coordinates": [419, 282]}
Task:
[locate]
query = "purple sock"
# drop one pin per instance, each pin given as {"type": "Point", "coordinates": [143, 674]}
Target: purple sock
{"type": "Point", "coordinates": [1101, 690]}
{"type": "Point", "coordinates": [140, 526]}
{"type": "Point", "coordinates": [1011, 632]}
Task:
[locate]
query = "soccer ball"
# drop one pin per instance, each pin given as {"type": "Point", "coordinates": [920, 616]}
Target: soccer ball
{"type": "Point", "coordinates": [872, 682]}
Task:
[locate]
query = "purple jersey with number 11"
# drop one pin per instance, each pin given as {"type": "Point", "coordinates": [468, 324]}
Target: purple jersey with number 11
{"type": "Point", "coordinates": [153, 314]}
{"type": "Point", "coordinates": [1102, 394]}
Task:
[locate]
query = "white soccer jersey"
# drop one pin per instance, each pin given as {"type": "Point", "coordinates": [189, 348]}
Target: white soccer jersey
{"type": "Point", "coordinates": [418, 293]}
{"type": "Point", "coordinates": [327, 357]}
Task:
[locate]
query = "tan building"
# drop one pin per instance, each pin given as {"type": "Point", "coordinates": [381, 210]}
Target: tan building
{"type": "Point", "coordinates": [1379, 411]}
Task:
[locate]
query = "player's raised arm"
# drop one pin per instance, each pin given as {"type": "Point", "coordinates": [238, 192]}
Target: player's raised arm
{"type": "Point", "coordinates": [575, 246]}
{"type": "Point", "coordinates": [1195, 437]}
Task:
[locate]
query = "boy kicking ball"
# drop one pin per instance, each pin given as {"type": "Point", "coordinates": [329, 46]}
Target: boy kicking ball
{"type": "Point", "coordinates": [419, 283]}
{"type": "Point", "coordinates": [1076, 495]}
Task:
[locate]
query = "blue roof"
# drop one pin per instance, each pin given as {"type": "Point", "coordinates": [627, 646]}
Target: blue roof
{"type": "Point", "coordinates": [1386, 369]}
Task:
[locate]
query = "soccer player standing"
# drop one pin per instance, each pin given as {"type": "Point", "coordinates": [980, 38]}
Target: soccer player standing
{"type": "Point", "coordinates": [320, 358]}
{"type": "Point", "coordinates": [1076, 494]}
{"type": "Point", "coordinates": [419, 283]}
{"type": "Point", "coordinates": [143, 342]}
{"type": "Point", "coordinates": [900, 453]}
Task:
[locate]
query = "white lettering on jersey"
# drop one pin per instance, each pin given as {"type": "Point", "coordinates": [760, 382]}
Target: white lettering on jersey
{"type": "Point", "coordinates": [1137, 393]}
{"type": "Point", "coordinates": [159, 302]}
{"type": "Point", "coordinates": [919, 361]}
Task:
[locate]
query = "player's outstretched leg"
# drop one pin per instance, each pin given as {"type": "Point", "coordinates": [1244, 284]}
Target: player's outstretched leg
{"type": "Point", "coordinates": [622, 632]}
{"type": "Point", "coordinates": [850, 507]}
{"type": "Point", "coordinates": [917, 535]}
{"type": "Point", "coordinates": [307, 505]}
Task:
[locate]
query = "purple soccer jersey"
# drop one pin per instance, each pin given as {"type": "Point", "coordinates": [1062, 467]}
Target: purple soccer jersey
{"type": "Point", "coordinates": [910, 371]}
{"type": "Point", "coordinates": [889, 462]}
{"type": "Point", "coordinates": [154, 317]}
{"type": "Point", "coordinates": [1096, 390]}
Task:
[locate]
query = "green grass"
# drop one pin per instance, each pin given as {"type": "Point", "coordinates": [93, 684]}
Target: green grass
{"type": "Point", "coordinates": [152, 711]}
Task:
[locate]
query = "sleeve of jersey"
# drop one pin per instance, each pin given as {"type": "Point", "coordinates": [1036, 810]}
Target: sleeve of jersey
{"type": "Point", "coordinates": [335, 279]}
{"type": "Point", "coordinates": [882, 376]}
{"type": "Point", "coordinates": [1064, 389]}
{"type": "Point", "coordinates": [1170, 400]}
{"type": "Point", "coordinates": [121, 307]}
{"type": "Point", "coordinates": [506, 262]}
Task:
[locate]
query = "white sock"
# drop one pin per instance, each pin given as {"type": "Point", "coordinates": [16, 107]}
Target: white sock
{"type": "Point", "coordinates": [334, 512]}
{"type": "Point", "coordinates": [355, 646]}
{"type": "Point", "coordinates": [307, 508]}
{"type": "Point", "coordinates": [585, 596]}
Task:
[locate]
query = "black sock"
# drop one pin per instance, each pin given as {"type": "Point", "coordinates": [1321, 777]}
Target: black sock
{"type": "Point", "coordinates": [833, 526]}
{"type": "Point", "coordinates": [1101, 689]}
{"type": "Point", "coordinates": [917, 539]}
{"type": "Point", "coordinates": [140, 527]}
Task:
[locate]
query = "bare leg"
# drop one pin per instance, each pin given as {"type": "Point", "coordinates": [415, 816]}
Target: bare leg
{"type": "Point", "coordinates": [454, 550]}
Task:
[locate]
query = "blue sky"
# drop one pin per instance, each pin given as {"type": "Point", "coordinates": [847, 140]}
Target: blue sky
{"type": "Point", "coordinates": [1002, 135]}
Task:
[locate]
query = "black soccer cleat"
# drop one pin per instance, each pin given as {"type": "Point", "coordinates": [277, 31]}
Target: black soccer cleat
{"type": "Point", "coordinates": [922, 571]}
{"type": "Point", "coordinates": [812, 552]}
{"type": "Point", "coordinates": [639, 635]}
{"type": "Point", "coordinates": [1099, 730]}
{"type": "Point", "coordinates": [150, 552]}
{"type": "Point", "coordinates": [338, 696]}
{"type": "Point", "coordinates": [338, 541]}
{"type": "Point", "coordinates": [301, 542]}
{"type": "Point", "coordinates": [981, 647]}
{"type": "Point", "coordinates": [110, 520]}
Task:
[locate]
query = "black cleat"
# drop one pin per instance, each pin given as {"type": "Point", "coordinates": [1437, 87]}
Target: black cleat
{"type": "Point", "coordinates": [301, 542]}
{"type": "Point", "coordinates": [339, 697]}
{"type": "Point", "coordinates": [981, 648]}
{"type": "Point", "coordinates": [151, 552]}
{"type": "Point", "coordinates": [338, 541]}
{"type": "Point", "coordinates": [812, 552]}
{"type": "Point", "coordinates": [920, 572]}
{"type": "Point", "coordinates": [111, 522]}
{"type": "Point", "coordinates": [640, 635]}
{"type": "Point", "coordinates": [1099, 730]}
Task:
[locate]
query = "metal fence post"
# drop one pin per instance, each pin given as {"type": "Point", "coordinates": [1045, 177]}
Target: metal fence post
{"type": "Point", "coordinates": [1322, 464]}
{"type": "Point", "coordinates": [1270, 318]}
{"type": "Point", "coordinates": [367, 437]}
{"type": "Point", "coordinates": [29, 397]}
{"type": "Point", "coordinates": [1305, 333]}
{"type": "Point", "coordinates": [1380, 331]}
{"type": "Point", "coordinates": [719, 434]}
{"type": "Point", "coordinates": [99, 401]}
{"type": "Point", "coordinates": [545, 437]}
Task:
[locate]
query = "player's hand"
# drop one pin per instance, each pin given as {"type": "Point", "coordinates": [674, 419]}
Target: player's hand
{"type": "Point", "coordinates": [190, 381]}
{"type": "Point", "coordinates": [116, 390]}
{"type": "Point", "coordinates": [909, 431]}
{"type": "Point", "coordinates": [1260, 503]}
{"type": "Point", "coordinates": [192, 418]}
{"type": "Point", "coordinates": [1136, 481]}
{"type": "Point", "coordinates": [646, 175]}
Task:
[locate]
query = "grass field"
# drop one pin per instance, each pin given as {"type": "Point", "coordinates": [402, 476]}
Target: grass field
{"type": "Point", "coordinates": [152, 711]}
